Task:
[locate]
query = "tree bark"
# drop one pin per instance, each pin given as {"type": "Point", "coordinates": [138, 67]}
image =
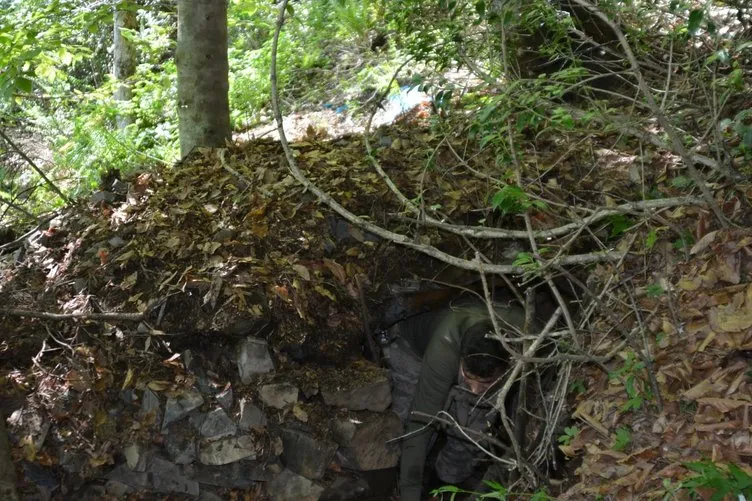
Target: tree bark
{"type": "Point", "coordinates": [201, 58]}
{"type": "Point", "coordinates": [124, 58]}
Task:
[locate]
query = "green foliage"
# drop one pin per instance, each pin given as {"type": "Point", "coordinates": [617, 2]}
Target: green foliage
{"type": "Point", "coordinates": [632, 376]}
{"type": "Point", "coordinates": [60, 48]}
{"type": "Point", "coordinates": [722, 480]}
{"type": "Point", "coordinates": [37, 47]}
{"type": "Point", "coordinates": [655, 290]}
{"type": "Point", "coordinates": [511, 199]}
{"type": "Point", "coordinates": [651, 239]}
{"type": "Point", "coordinates": [527, 262]}
{"type": "Point", "coordinates": [681, 182]}
{"type": "Point", "coordinates": [622, 439]}
{"type": "Point", "coordinates": [695, 21]}
{"type": "Point", "coordinates": [495, 491]}
{"type": "Point", "coordinates": [570, 433]}
{"type": "Point", "coordinates": [619, 224]}
{"type": "Point", "coordinates": [577, 387]}
{"type": "Point", "coordinates": [319, 35]}
{"type": "Point", "coordinates": [685, 240]}
{"type": "Point", "coordinates": [739, 131]}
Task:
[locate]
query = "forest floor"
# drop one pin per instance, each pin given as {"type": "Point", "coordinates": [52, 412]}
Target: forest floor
{"type": "Point", "coordinates": [174, 265]}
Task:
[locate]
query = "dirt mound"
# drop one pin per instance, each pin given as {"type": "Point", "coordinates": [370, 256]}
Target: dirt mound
{"type": "Point", "coordinates": [213, 312]}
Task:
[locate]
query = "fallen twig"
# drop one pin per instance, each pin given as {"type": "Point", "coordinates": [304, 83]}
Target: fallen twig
{"type": "Point", "coordinates": [128, 317]}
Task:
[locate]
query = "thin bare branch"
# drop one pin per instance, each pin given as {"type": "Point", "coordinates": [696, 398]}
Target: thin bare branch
{"type": "Point", "coordinates": [676, 141]}
{"type": "Point", "coordinates": [373, 228]}
{"type": "Point", "coordinates": [598, 215]}
{"type": "Point", "coordinates": [34, 166]}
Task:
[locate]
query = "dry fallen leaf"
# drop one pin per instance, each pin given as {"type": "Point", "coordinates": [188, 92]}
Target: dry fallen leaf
{"type": "Point", "coordinates": [128, 381]}
{"type": "Point", "coordinates": [159, 385]}
{"type": "Point", "coordinates": [704, 242]}
{"type": "Point", "coordinates": [703, 388]}
{"type": "Point", "coordinates": [337, 270]}
{"type": "Point", "coordinates": [302, 271]}
{"type": "Point", "coordinates": [722, 404]}
{"type": "Point", "coordinates": [78, 381]}
{"type": "Point", "coordinates": [299, 413]}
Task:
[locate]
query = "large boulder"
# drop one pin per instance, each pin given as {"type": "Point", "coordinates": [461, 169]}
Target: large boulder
{"type": "Point", "coordinates": [253, 358]}
{"type": "Point", "coordinates": [278, 395]}
{"type": "Point", "coordinates": [180, 405]}
{"type": "Point", "coordinates": [228, 450]}
{"type": "Point", "coordinates": [305, 454]}
{"type": "Point", "coordinates": [217, 425]}
{"type": "Point", "coordinates": [288, 486]}
{"type": "Point", "coordinates": [359, 387]}
{"type": "Point", "coordinates": [251, 416]}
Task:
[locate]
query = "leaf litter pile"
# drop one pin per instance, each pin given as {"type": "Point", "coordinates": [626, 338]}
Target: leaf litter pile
{"type": "Point", "coordinates": [227, 245]}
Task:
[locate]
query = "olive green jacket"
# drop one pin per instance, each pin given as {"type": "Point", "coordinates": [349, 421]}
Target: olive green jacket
{"type": "Point", "coordinates": [436, 338]}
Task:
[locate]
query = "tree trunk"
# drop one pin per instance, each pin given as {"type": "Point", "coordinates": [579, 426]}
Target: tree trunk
{"type": "Point", "coordinates": [124, 58]}
{"type": "Point", "coordinates": [201, 57]}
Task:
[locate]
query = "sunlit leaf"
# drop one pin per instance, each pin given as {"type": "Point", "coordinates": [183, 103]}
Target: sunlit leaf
{"type": "Point", "coordinates": [694, 21]}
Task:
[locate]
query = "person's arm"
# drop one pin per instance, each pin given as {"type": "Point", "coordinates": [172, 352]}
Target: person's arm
{"type": "Point", "coordinates": [437, 376]}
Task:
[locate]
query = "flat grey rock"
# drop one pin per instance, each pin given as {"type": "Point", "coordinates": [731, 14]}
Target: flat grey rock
{"type": "Point", "coordinates": [128, 396]}
{"type": "Point", "coordinates": [91, 493]}
{"type": "Point", "coordinates": [179, 406]}
{"type": "Point", "coordinates": [239, 475]}
{"type": "Point", "coordinates": [209, 496]}
{"type": "Point", "coordinates": [306, 455]}
{"type": "Point", "coordinates": [253, 358]}
{"type": "Point", "coordinates": [80, 285]}
{"type": "Point", "coordinates": [217, 425]}
{"type": "Point", "coordinates": [197, 419]}
{"type": "Point", "coordinates": [228, 450]}
{"type": "Point", "coordinates": [149, 404]}
{"type": "Point", "coordinates": [278, 395]}
{"type": "Point", "coordinates": [224, 235]}
{"type": "Point", "coordinates": [288, 486]}
{"type": "Point", "coordinates": [118, 489]}
{"type": "Point", "coordinates": [103, 196]}
{"type": "Point", "coordinates": [364, 444]}
{"type": "Point", "coordinates": [124, 475]}
{"type": "Point", "coordinates": [193, 365]}
{"type": "Point", "coordinates": [72, 462]}
{"type": "Point", "coordinates": [374, 395]}
{"type": "Point", "coordinates": [251, 416]}
{"type": "Point", "coordinates": [346, 489]}
{"type": "Point", "coordinates": [119, 187]}
{"type": "Point", "coordinates": [180, 446]}
{"type": "Point", "coordinates": [168, 478]}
